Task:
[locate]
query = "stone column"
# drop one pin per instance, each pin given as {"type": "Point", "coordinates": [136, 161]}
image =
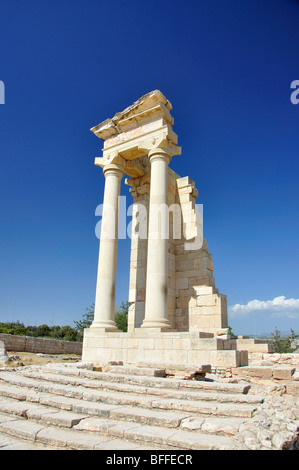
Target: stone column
{"type": "Point", "coordinates": [140, 191]}
{"type": "Point", "coordinates": [106, 280]}
{"type": "Point", "coordinates": [156, 302]}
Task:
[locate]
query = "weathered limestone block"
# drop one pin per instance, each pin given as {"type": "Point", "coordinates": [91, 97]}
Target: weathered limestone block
{"type": "Point", "coordinates": [210, 314]}
{"type": "Point", "coordinates": [261, 372]}
{"type": "Point", "coordinates": [283, 373]}
{"type": "Point", "coordinates": [253, 345]}
{"type": "Point", "coordinates": [293, 388]}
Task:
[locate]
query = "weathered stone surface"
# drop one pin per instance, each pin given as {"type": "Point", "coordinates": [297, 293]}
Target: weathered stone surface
{"type": "Point", "coordinates": [203, 415]}
{"type": "Point", "coordinates": [70, 439]}
{"type": "Point", "coordinates": [93, 424]}
{"type": "Point", "coordinates": [151, 417]}
{"type": "Point", "coordinates": [192, 423]}
{"type": "Point", "coordinates": [6, 417]}
{"type": "Point", "coordinates": [222, 425]}
{"type": "Point", "coordinates": [16, 408]}
{"type": "Point", "coordinates": [62, 419]}
{"type": "Point", "coordinates": [293, 388]}
{"type": "Point", "coordinates": [13, 443]}
{"type": "Point", "coordinates": [150, 434]}
{"type": "Point", "coordinates": [283, 373]}
{"type": "Point", "coordinates": [263, 372]}
{"type": "Point", "coordinates": [144, 371]}
{"type": "Point", "coordinates": [4, 359]}
{"type": "Point", "coordinates": [22, 429]}
{"type": "Point", "coordinates": [199, 441]}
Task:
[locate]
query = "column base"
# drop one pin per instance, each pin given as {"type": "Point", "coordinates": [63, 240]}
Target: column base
{"type": "Point", "coordinates": [160, 323]}
{"type": "Point", "coordinates": [105, 326]}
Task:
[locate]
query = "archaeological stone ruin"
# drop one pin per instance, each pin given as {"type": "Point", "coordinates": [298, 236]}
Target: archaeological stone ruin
{"type": "Point", "coordinates": [177, 314]}
{"type": "Point", "coordinates": [173, 381]}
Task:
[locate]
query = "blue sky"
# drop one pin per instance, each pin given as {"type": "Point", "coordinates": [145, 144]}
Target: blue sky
{"type": "Point", "coordinates": [226, 67]}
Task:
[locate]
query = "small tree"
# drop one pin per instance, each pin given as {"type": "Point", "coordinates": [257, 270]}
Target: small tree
{"type": "Point", "coordinates": [86, 322]}
{"type": "Point", "coordinates": [42, 331]}
{"type": "Point", "coordinates": [121, 318]}
{"type": "Point", "coordinates": [281, 344]}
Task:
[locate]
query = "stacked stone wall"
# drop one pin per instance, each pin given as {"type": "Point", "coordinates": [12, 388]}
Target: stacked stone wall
{"type": "Point", "coordinates": [273, 359]}
{"type": "Point", "coordinates": [40, 345]}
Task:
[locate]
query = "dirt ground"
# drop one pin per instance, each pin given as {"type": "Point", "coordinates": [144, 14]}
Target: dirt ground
{"type": "Point", "coordinates": [29, 359]}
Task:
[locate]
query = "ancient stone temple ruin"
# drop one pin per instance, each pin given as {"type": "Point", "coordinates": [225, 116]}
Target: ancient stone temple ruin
{"type": "Point", "coordinates": [176, 314]}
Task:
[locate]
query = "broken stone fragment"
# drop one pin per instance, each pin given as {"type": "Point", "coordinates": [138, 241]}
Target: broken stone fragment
{"type": "Point", "coordinates": [4, 359]}
{"type": "Point", "coordinates": [222, 332]}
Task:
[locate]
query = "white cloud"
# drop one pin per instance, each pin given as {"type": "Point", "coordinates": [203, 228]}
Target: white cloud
{"type": "Point", "coordinates": [278, 307]}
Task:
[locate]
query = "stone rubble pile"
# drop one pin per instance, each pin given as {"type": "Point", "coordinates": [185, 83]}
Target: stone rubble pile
{"type": "Point", "coordinates": [275, 422]}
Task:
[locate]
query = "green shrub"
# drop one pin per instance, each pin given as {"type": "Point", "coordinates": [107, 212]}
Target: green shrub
{"type": "Point", "coordinates": [282, 344]}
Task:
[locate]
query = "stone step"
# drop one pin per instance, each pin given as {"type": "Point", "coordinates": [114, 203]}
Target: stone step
{"type": "Point", "coordinates": [117, 399]}
{"type": "Point", "coordinates": [39, 412]}
{"type": "Point", "coordinates": [61, 417]}
{"type": "Point", "coordinates": [100, 434]}
{"type": "Point", "coordinates": [151, 382]}
{"type": "Point", "coordinates": [159, 370]}
{"type": "Point", "coordinates": [203, 408]}
{"type": "Point", "coordinates": [13, 443]}
{"type": "Point", "coordinates": [171, 368]}
{"type": "Point", "coordinates": [144, 383]}
{"type": "Point", "coordinates": [20, 433]}
{"type": "Point", "coordinates": [63, 406]}
{"type": "Point", "coordinates": [170, 438]}
{"type": "Point", "coordinates": [144, 371]}
{"type": "Point", "coordinates": [150, 411]}
{"type": "Point", "coordinates": [133, 390]}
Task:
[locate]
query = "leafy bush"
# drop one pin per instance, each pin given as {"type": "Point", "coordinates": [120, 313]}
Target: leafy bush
{"type": "Point", "coordinates": [13, 328]}
{"type": "Point", "coordinates": [66, 332]}
{"type": "Point", "coordinates": [121, 316]}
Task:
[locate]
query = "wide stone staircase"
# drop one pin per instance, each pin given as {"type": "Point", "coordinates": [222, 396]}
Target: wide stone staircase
{"type": "Point", "coordinates": [59, 406]}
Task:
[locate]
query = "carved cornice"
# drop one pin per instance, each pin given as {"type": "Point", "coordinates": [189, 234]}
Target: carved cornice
{"type": "Point", "coordinates": [144, 126]}
{"type": "Point", "coordinates": [142, 109]}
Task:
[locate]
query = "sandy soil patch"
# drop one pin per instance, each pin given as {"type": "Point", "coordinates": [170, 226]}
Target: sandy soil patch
{"type": "Point", "coordinates": [29, 359]}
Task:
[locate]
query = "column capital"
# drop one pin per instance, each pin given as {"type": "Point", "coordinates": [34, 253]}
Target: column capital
{"type": "Point", "coordinates": [111, 161]}
{"type": "Point", "coordinates": [159, 153]}
{"type": "Point", "coordinates": [117, 170]}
